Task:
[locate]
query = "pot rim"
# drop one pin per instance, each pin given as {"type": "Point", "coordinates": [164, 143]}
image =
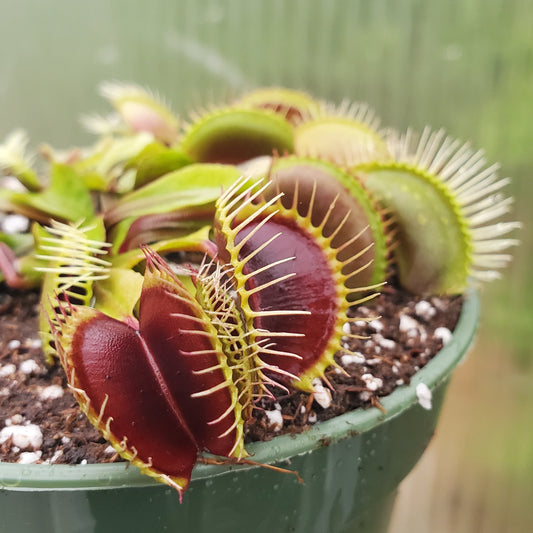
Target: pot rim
{"type": "Point", "coordinates": [14, 476]}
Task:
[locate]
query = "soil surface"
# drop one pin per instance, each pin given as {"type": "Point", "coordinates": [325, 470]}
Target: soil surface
{"type": "Point", "coordinates": [40, 420]}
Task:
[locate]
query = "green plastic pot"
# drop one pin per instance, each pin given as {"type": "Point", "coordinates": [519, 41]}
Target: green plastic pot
{"type": "Point", "coordinates": [351, 466]}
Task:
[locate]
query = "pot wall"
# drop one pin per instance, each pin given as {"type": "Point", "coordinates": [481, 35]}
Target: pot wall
{"type": "Point", "coordinates": [346, 484]}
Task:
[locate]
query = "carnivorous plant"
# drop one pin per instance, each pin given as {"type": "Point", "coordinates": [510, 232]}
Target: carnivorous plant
{"type": "Point", "coordinates": [189, 268]}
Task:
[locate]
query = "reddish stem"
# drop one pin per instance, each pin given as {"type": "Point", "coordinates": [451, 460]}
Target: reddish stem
{"type": "Point", "coordinates": [144, 227]}
{"type": "Point", "coordinates": [7, 266]}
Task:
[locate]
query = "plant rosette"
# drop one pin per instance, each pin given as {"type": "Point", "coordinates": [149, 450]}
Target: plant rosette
{"type": "Point", "coordinates": [302, 212]}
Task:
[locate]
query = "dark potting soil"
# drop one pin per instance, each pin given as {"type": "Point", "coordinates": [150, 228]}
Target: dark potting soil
{"type": "Point", "coordinates": [40, 420]}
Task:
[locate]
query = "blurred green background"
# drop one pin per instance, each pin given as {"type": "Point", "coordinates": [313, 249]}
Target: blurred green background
{"type": "Point", "coordinates": [465, 65]}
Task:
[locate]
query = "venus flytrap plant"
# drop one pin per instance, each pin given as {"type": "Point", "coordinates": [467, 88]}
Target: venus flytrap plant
{"type": "Point", "coordinates": [183, 199]}
{"type": "Point", "coordinates": [247, 327]}
{"type": "Point", "coordinates": [340, 134]}
{"type": "Point", "coordinates": [311, 286]}
{"type": "Point", "coordinates": [441, 195]}
{"type": "Point", "coordinates": [293, 105]}
{"type": "Point", "coordinates": [236, 134]}
{"type": "Point", "coordinates": [72, 256]}
{"type": "Point", "coordinates": [157, 411]}
{"type": "Point", "coordinates": [109, 167]}
{"type": "Point", "coordinates": [15, 160]}
{"type": "Point", "coordinates": [141, 110]}
{"type": "Point", "coordinates": [320, 183]}
{"type": "Point", "coordinates": [197, 400]}
{"type": "Point", "coordinates": [169, 362]}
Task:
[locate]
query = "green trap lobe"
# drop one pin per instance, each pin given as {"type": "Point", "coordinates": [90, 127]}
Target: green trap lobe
{"type": "Point", "coordinates": [433, 249]}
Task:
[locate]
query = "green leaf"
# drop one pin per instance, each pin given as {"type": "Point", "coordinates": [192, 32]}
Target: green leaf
{"type": "Point", "coordinates": [67, 198]}
{"type": "Point", "coordinates": [195, 242]}
{"type": "Point", "coordinates": [118, 295]}
{"type": "Point", "coordinates": [237, 135]}
{"type": "Point", "coordinates": [142, 110]}
{"type": "Point", "coordinates": [20, 243]}
{"type": "Point", "coordinates": [433, 246]}
{"type": "Point", "coordinates": [15, 161]}
{"type": "Point", "coordinates": [155, 161]}
{"type": "Point", "coordinates": [105, 167]}
{"type": "Point", "coordinates": [194, 185]}
{"type": "Point", "coordinates": [72, 256]}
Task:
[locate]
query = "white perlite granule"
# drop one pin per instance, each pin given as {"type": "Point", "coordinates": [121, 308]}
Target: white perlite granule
{"type": "Point", "coordinates": [55, 457]}
{"type": "Point", "coordinates": [376, 325]}
{"type": "Point", "coordinates": [13, 224]}
{"type": "Point", "coordinates": [424, 310]}
{"type": "Point", "coordinates": [372, 383]}
{"type": "Point", "coordinates": [29, 367]}
{"type": "Point", "coordinates": [424, 396]}
{"type": "Point", "coordinates": [408, 323]}
{"type": "Point", "coordinates": [15, 419]}
{"type": "Point", "coordinates": [444, 334]}
{"type": "Point", "coordinates": [28, 458]}
{"type": "Point", "coordinates": [275, 419]}
{"type": "Point", "coordinates": [365, 396]}
{"type": "Point", "coordinates": [352, 358]}
{"type": "Point", "coordinates": [7, 370]}
{"type": "Point", "coordinates": [321, 395]}
{"type": "Point", "coordinates": [23, 437]}
{"type": "Point", "coordinates": [13, 345]}
{"type": "Point", "coordinates": [51, 392]}
{"type": "Point", "coordinates": [388, 344]}
{"type": "Point", "coordinates": [34, 343]}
